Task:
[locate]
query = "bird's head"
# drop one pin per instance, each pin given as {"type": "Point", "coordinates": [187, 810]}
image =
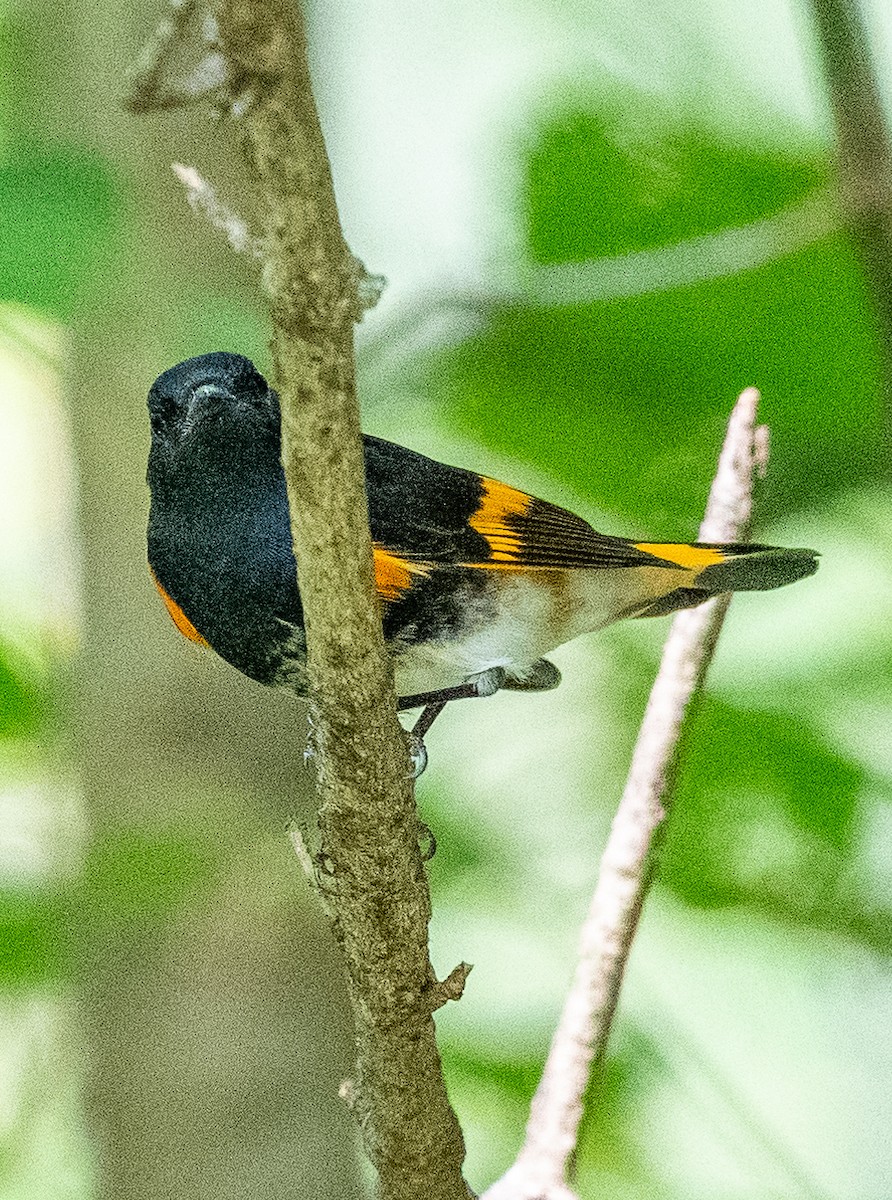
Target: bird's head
{"type": "Point", "coordinates": [214, 412]}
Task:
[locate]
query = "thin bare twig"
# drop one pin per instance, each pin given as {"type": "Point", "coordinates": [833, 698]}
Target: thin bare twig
{"type": "Point", "coordinates": [540, 1171]}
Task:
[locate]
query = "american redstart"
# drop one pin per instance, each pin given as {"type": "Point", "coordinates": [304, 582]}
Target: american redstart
{"type": "Point", "coordinates": [477, 580]}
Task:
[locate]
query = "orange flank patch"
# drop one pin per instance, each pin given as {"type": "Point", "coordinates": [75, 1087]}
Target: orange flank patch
{"type": "Point", "coordinates": [182, 622]}
{"type": "Point", "coordinates": [692, 558]}
{"type": "Point", "coordinates": [500, 501]}
{"type": "Point", "coordinates": [393, 575]}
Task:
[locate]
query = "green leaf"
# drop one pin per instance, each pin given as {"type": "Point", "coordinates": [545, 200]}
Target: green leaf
{"type": "Point", "coordinates": [764, 813]}
{"type": "Point", "coordinates": [58, 205]}
{"type": "Point", "coordinates": [34, 942]}
{"type": "Point", "coordinates": [600, 182]}
{"type": "Point", "coordinates": [23, 700]}
{"type": "Point", "coordinates": [625, 398]}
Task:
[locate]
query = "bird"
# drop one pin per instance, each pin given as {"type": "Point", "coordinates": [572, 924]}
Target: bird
{"type": "Point", "coordinates": [477, 580]}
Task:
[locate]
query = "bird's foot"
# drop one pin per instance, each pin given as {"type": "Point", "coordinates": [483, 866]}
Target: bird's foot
{"type": "Point", "coordinates": [540, 676]}
{"type": "Point", "coordinates": [417, 753]}
{"type": "Point", "coordinates": [486, 683]}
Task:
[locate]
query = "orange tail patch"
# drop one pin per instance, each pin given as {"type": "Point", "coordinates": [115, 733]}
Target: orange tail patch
{"type": "Point", "coordinates": [692, 558]}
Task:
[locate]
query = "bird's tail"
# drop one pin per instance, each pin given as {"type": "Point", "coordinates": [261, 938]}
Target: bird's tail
{"type": "Point", "coordinates": [730, 567]}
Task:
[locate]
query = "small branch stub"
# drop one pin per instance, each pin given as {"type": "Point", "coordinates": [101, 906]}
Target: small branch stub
{"type": "Point", "coordinates": [450, 988]}
{"type": "Point", "coordinates": [164, 76]}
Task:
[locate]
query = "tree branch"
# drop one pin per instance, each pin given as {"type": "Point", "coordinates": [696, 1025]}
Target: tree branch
{"type": "Point", "coordinates": [864, 153]}
{"type": "Point", "coordinates": [374, 880]}
{"type": "Point", "coordinates": [368, 865]}
{"type": "Point", "coordinates": [540, 1171]}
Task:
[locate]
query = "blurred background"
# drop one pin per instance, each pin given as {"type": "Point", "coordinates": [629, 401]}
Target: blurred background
{"type": "Point", "coordinates": [599, 222]}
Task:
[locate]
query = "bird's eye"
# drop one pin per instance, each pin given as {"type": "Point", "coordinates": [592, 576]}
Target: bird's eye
{"type": "Point", "coordinates": [162, 410]}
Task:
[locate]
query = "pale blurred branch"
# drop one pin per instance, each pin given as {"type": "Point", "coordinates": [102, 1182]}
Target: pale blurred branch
{"type": "Point", "coordinates": [450, 309]}
{"type": "Point", "coordinates": [203, 199]}
{"type": "Point", "coordinates": [864, 154]}
{"type": "Point", "coordinates": [692, 261]}
{"type": "Point", "coordinates": [368, 864]}
{"type": "Point", "coordinates": [541, 1168]}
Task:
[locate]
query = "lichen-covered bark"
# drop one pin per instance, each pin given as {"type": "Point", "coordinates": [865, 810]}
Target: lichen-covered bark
{"type": "Point", "coordinates": [372, 871]}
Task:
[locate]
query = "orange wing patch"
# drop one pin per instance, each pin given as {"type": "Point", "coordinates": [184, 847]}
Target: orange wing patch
{"type": "Point", "coordinates": [393, 575]}
{"type": "Point", "coordinates": [692, 558]}
{"type": "Point", "coordinates": [182, 622]}
{"type": "Point", "coordinates": [500, 501]}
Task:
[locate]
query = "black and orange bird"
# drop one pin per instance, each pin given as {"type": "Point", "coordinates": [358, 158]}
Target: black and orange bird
{"type": "Point", "coordinates": [478, 581]}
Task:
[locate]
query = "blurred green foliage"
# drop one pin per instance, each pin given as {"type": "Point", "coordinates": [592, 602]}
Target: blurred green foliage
{"type": "Point", "coordinates": [23, 698]}
{"type": "Point", "coordinates": [612, 178]}
{"type": "Point", "coordinates": [637, 387]}
{"type": "Point", "coordinates": [34, 939]}
{"type": "Point", "coordinates": [129, 883]}
{"type": "Point", "coordinates": [60, 212]}
{"type": "Point", "coordinates": [772, 867]}
{"type": "Point", "coordinates": [623, 401]}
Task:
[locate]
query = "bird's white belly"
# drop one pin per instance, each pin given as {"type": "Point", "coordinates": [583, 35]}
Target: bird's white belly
{"type": "Point", "coordinates": [522, 617]}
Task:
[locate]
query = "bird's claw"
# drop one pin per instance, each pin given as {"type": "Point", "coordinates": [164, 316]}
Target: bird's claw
{"type": "Point", "coordinates": [418, 754]}
{"type": "Point", "coordinates": [487, 682]}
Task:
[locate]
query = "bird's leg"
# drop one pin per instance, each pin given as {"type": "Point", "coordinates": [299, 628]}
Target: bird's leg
{"type": "Point", "coordinates": [487, 683]}
{"type": "Point", "coordinates": [429, 714]}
